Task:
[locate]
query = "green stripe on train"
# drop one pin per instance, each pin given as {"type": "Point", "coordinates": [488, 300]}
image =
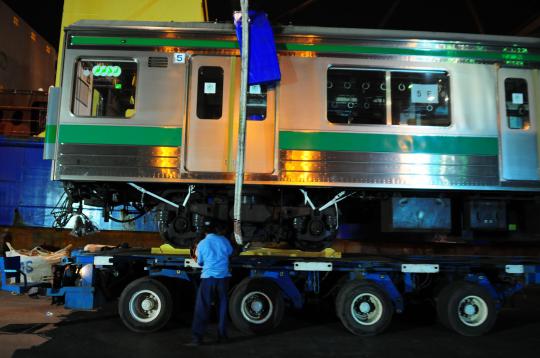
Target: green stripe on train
{"type": "Point", "coordinates": [50, 133]}
{"type": "Point", "coordinates": [504, 55]}
{"type": "Point", "coordinates": [389, 143]}
{"type": "Point", "coordinates": [125, 135]}
{"type": "Point", "coordinates": [151, 42]}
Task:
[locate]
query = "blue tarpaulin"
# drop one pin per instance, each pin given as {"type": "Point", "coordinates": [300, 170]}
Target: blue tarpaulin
{"type": "Point", "coordinates": [263, 60]}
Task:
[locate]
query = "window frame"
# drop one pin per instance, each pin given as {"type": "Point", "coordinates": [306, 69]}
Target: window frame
{"type": "Point", "coordinates": [266, 88]}
{"type": "Point", "coordinates": [529, 122]}
{"type": "Point", "coordinates": [360, 69]}
{"type": "Point", "coordinates": [222, 68]}
{"type": "Point", "coordinates": [104, 59]}
{"type": "Point", "coordinates": [438, 70]}
{"type": "Point", "coordinates": [388, 76]}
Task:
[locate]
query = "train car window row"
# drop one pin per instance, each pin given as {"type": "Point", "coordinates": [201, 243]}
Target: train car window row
{"type": "Point", "coordinates": [105, 88]}
{"type": "Point", "coordinates": [361, 96]}
{"type": "Point", "coordinates": [517, 103]}
{"type": "Point", "coordinates": [210, 96]}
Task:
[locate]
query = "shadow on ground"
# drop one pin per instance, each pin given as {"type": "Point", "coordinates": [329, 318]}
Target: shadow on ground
{"type": "Point", "coordinates": [314, 332]}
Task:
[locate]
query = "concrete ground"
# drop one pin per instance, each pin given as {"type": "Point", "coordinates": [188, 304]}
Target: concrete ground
{"type": "Point", "coordinates": [33, 328]}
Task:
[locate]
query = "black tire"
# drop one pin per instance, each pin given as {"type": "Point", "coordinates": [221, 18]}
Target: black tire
{"type": "Point", "coordinates": [349, 303]}
{"type": "Point", "coordinates": [150, 293]}
{"type": "Point", "coordinates": [342, 293]}
{"type": "Point", "coordinates": [263, 294]}
{"type": "Point", "coordinates": [464, 296]}
{"type": "Point", "coordinates": [442, 300]}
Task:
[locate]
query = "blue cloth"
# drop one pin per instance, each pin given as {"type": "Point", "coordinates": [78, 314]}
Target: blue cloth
{"type": "Point", "coordinates": [263, 64]}
{"type": "Point", "coordinates": [210, 289]}
{"type": "Point", "coordinates": [213, 255]}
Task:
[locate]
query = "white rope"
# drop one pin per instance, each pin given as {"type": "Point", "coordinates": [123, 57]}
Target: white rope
{"type": "Point", "coordinates": [334, 201]}
{"type": "Point", "coordinates": [307, 200]}
{"type": "Point", "coordinates": [144, 191]}
{"type": "Point", "coordinates": [191, 190]}
{"type": "Point", "coordinates": [339, 197]}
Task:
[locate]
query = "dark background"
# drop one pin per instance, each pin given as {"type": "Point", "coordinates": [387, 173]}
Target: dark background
{"type": "Point", "coordinates": [515, 17]}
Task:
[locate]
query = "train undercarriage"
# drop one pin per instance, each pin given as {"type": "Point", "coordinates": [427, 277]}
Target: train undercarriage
{"type": "Point", "coordinates": [310, 219]}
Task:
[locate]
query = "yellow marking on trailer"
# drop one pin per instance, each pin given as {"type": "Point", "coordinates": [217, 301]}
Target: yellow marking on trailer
{"type": "Point", "coordinates": [328, 253]}
{"type": "Point", "coordinates": [168, 249]}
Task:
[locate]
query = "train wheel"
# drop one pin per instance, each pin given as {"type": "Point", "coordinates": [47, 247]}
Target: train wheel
{"type": "Point", "coordinates": [316, 246]}
{"type": "Point", "coordinates": [364, 308]}
{"type": "Point", "coordinates": [467, 308]}
{"type": "Point", "coordinates": [145, 305]}
{"type": "Point", "coordinates": [256, 306]}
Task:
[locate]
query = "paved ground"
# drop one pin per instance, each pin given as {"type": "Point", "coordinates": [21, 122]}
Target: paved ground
{"type": "Point", "coordinates": [33, 328]}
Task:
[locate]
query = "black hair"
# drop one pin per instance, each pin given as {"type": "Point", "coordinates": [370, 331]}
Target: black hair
{"type": "Point", "coordinates": [215, 227]}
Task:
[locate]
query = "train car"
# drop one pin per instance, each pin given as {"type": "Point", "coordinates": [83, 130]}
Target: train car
{"type": "Point", "coordinates": [421, 136]}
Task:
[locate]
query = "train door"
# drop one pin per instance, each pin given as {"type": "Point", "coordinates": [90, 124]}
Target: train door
{"type": "Point", "coordinates": [213, 116]}
{"type": "Point", "coordinates": [518, 126]}
{"type": "Point", "coordinates": [208, 120]}
{"type": "Point", "coordinates": [261, 128]}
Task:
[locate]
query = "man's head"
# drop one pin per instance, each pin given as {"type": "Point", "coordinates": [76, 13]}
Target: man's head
{"type": "Point", "coordinates": [212, 226]}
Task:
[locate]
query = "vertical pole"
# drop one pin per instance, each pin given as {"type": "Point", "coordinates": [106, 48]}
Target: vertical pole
{"type": "Point", "coordinates": [240, 155]}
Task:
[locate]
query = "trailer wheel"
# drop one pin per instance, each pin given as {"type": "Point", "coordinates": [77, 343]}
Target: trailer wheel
{"type": "Point", "coordinates": [256, 306]}
{"type": "Point", "coordinates": [145, 305]}
{"type": "Point", "coordinates": [364, 308]}
{"type": "Point", "coordinates": [467, 308]}
{"type": "Point", "coordinates": [342, 295]}
{"type": "Point", "coordinates": [442, 300]}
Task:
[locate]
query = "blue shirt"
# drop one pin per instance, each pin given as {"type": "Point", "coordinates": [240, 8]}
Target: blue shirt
{"type": "Point", "coordinates": [213, 255]}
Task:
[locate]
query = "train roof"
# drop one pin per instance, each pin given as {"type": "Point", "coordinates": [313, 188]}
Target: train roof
{"type": "Point", "coordinates": [293, 31]}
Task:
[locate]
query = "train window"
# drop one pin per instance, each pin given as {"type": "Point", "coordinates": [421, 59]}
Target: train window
{"type": "Point", "coordinates": [105, 89]}
{"type": "Point", "coordinates": [517, 103]}
{"type": "Point", "coordinates": [356, 96]}
{"type": "Point", "coordinates": [420, 98]}
{"type": "Point", "coordinates": [210, 92]}
{"type": "Point", "coordinates": [256, 103]}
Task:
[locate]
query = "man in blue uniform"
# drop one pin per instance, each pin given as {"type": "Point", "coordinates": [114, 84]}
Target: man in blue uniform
{"type": "Point", "coordinates": [212, 254]}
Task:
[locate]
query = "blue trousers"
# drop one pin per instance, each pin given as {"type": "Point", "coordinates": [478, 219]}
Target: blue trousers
{"type": "Point", "coordinates": [211, 289]}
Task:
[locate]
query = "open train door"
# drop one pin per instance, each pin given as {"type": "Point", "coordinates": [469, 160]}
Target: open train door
{"type": "Point", "coordinates": [213, 115]}
{"type": "Point", "coordinates": [518, 125]}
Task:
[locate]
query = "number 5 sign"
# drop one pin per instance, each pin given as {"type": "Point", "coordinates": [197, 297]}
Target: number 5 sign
{"type": "Point", "coordinates": [179, 58]}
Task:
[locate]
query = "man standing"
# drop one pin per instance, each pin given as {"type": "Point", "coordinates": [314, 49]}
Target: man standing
{"type": "Point", "coordinates": [212, 254]}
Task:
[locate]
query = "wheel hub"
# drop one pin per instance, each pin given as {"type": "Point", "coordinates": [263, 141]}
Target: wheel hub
{"type": "Point", "coordinates": [256, 306]}
{"type": "Point", "coordinates": [147, 304]}
{"type": "Point", "coordinates": [473, 311]}
{"type": "Point", "coordinates": [316, 227]}
{"type": "Point", "coordinates": [366, 309]}
{"type": "Point", "coordinates": [470, 309]}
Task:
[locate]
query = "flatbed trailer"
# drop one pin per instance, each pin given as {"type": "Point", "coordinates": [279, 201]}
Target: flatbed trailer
{"type": "Point", "coordinates": [468, 291]}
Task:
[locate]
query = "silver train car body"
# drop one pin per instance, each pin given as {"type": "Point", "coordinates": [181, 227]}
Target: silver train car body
{"type": "Point", "coordinates": [157, 103]}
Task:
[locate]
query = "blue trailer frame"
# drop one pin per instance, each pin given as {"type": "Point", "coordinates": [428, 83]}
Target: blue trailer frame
{"type": "Point", "coordinates": [395, 277]}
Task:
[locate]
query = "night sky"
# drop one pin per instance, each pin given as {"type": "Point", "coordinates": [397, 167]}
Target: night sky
{"type": "Point", "coordinates": [45, 16]}
{"type": "Point", "coordinates": [467, 16]}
